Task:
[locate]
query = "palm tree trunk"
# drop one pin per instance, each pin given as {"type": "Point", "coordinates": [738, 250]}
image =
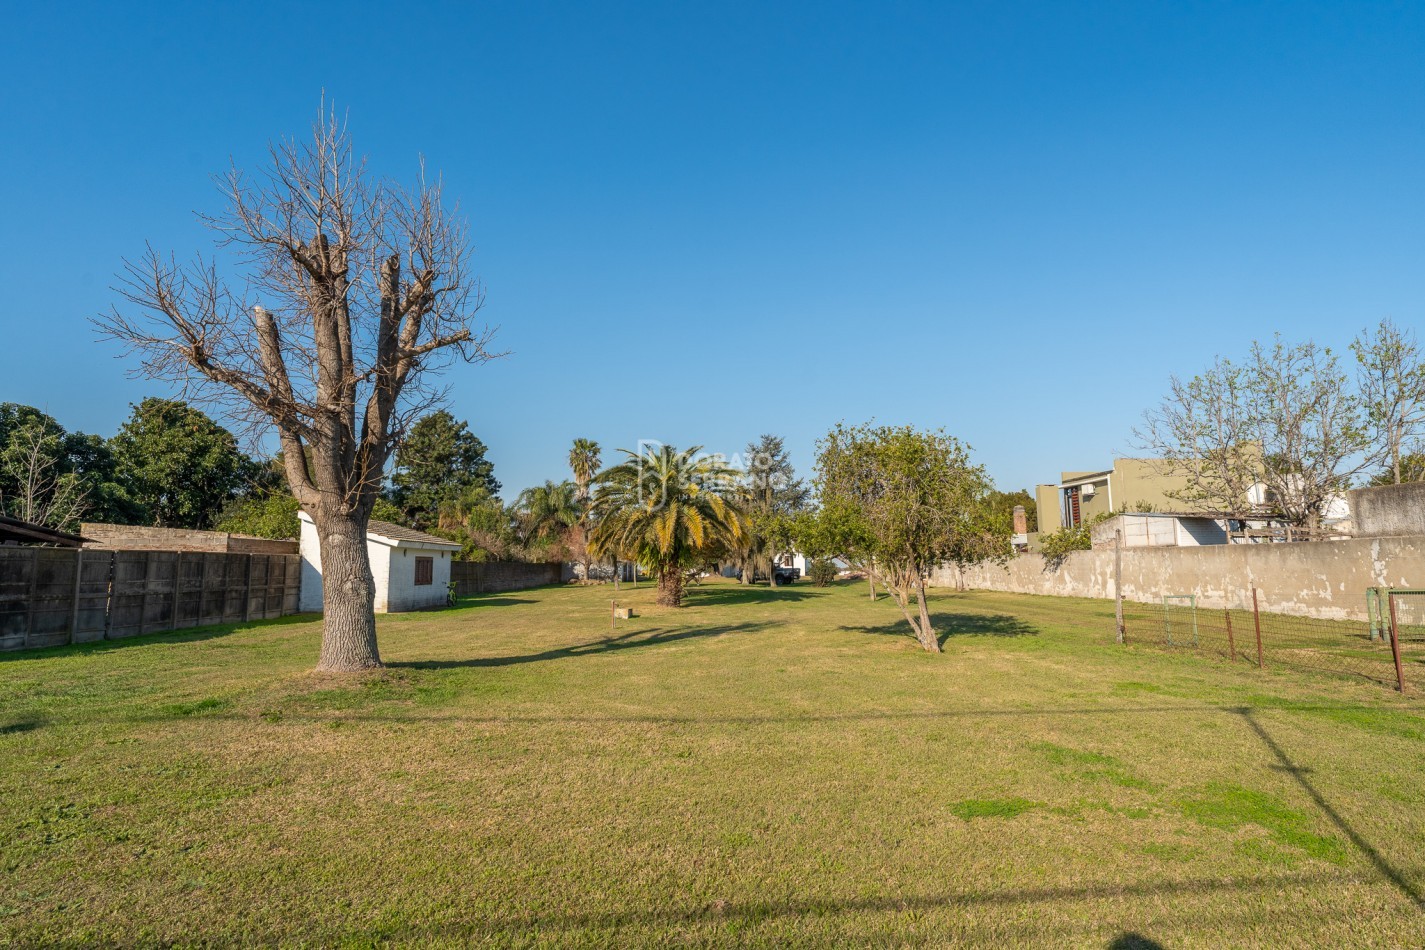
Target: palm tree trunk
{"type": "Point", "coordinates": [670, 587]}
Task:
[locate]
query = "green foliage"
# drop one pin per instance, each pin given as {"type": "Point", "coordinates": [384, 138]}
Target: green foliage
{"type": "Point", "coordinates": [547, 512]}
{"type": "Point", "coordinates": [439, 461]}
{"type": "Point", "coordinates": [772, 497]}
{"type": "Point", "coordinates": [1059, 544]}
{"type": "Point", "coordinates": [667, 510]}
{"type": "Point", "coordinates": [180, 465]}
{"type": "Point", "coordinates": [1412, 469]}
{"type": "Point", "coordinates": [263, 516]}
{"type": "Point", "coordinates": [56, 478]}
{"type": "Point", "coordinates": [821, 571]}
{"type": "Point", "coordinates": [1002, 503]}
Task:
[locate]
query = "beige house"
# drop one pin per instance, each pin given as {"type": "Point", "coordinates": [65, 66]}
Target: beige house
{"type": "Point", "coordinates": [1131, 484]}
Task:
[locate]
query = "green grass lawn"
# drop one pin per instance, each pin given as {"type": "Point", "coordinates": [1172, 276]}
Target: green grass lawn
{"type": "Point", "coordinates": [771, 768]}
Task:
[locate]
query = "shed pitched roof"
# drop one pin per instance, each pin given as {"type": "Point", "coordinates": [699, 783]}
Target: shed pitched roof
{"type": "Point", "coordinates": [399, 533]}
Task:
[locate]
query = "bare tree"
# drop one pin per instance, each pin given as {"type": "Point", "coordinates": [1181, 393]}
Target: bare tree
{"type": "Point", "coordinates": [1391, 373]}
{"type": "Point", "coordinates": [44, 493]}
{"type": "Point", "coordinates": [356, 293]}
{"type": "Point", "coordinates": [1278, 435]}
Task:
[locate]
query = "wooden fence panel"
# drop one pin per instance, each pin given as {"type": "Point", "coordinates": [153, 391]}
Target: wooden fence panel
{"type": "Point", "coordinates": [92, 610]}
{"type": "Point", "coordinates": [55, 596]}
{"type": "Point", "coordinates": [17, 572]}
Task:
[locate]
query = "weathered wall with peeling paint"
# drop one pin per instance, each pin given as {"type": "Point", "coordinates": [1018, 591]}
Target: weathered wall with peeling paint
{"type": "Point", "coordinates": [1313, 579]}
{"type": "Point", "coordinates": [1388, 510]}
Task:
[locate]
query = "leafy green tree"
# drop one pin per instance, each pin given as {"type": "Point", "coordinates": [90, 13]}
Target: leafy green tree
{"type": "Point", "coordinates": [668, 510]}
{"type": "Point", "coordinates": [263, 516]}
{"type": "Point", "coordinates": [1391, 372]}
{"type": "Point", "coordinates": [1002, 503]}
{"type": "Point", "coordinates": [1286, 419]}
{"type": "Point", "coordinates": [179, 464]}
{"type": "Point", "coordinates": [53, 477]}
{"type": "Point", "coordinates": [772, 497]}
{"type": "Point", "coordinates": [440, 460]}
{"type": "Point", "coordinates": [1410, 468]}
{"type": "Point", "coordinates": [548, 512]}
{"type": "Point", "coordinates": [900, 502]}
{"type": "Point", "coordinates": [483, 525]}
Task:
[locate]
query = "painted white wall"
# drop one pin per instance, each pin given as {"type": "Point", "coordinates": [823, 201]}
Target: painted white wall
{"type": "Point", "coordinates": [401, 592]}
{"type": "Point", "coordinates": [393, 572]}
{"type": "Point", "coordinates": [311, 596]}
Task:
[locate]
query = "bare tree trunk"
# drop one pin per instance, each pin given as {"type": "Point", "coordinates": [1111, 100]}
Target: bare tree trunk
{"type": "Point", "coordinates": [746, 577]}
{"type": "Point", "coordinates": [670, 587]}
{"type": "Point", "coordinates": [771, 570]}
{"type": "Point", "coordinates": [348, 596]}
{"type": "Point", "coordinates": [926, 634]}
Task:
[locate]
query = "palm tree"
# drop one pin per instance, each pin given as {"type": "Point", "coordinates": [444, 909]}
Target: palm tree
{"type": "Point", "coordinates": [667, 509]}
{"type": "Point", "coordinates": [548, 511]}
{"type": "Point", "coordinates": [584, 461]}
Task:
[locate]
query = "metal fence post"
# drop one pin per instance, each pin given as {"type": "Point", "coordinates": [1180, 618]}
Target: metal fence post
{"type": "Point", "coordinates": [1231, 644]}
{"type": "Point", "coordinates": [1118, 582]}
{"type": "Point", "coordinates": [1257, 621]}
{"type": "Point", "coordinates": [1395, 645]}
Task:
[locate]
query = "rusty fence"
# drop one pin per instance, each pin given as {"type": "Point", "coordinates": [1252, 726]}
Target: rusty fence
{"type": "Point", "coordinates": [1387, 648]}
{"type": "Point", "coordinates": [57, 596]}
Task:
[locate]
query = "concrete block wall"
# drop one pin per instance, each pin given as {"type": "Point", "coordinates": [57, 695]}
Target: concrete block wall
{"type": "Point", "coordinates": [139, 538]}
{"type": "Point", "coordinates": [1326, 579]}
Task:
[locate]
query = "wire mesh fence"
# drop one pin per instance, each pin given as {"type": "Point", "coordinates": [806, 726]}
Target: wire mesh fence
{"type": "Point", "coordinates": [1387, 648]}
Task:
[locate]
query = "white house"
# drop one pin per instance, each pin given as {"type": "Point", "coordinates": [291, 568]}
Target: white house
{"type": "Point", "coordinates": [411, 568]}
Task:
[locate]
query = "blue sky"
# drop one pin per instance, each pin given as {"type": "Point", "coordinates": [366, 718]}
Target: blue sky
{"type": "Point", "coordinates": [700, 222]}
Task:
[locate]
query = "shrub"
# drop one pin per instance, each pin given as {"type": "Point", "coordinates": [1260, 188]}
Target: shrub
{"type": "Point", "coordinates": [821, 571]}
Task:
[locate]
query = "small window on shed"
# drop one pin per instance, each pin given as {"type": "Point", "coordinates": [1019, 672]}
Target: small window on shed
{"type": "Point", "coordinates": [425, 571]}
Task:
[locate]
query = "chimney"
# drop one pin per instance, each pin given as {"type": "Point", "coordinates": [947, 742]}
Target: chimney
{"type": "Point", "coordinates": [1021, 520]}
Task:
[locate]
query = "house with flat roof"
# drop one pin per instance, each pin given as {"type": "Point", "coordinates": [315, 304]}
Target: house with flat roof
{"type": "Point", "coordinates": [1131, 484]}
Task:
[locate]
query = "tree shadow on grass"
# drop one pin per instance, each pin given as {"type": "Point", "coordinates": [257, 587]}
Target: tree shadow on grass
{"type": "Point", "coordinates": [632, 640]}
{"type": "Point", "coordinates": [490, 600]}
{"type": "Point", "coordinates": [948, 626]}
{"type": "Point", "coordinates": [187, 635]}
{"type": "Point", "coordinates": [694, 595]}
{"type": "Point", "coordinates": [20, 725]}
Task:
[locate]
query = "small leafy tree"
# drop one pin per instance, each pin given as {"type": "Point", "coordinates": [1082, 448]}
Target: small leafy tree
{"type": "Point", "coordinates": [901, 502]}
{"type": "Point", "coordinates": [1391, 372]}
{"type": "Point", "coordinates": [263, 516]}
{"type": "Point", "coordinates": [822, 571]}
{"type": "Point", "coordinates": [1286, 420]}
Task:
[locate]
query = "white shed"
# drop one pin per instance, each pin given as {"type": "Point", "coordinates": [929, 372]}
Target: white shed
{"type": "Point", "coordinates": [411, 568]}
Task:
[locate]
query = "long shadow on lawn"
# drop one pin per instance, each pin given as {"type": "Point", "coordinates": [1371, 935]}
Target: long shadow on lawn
{"type": "Point", "coordinates": [948, 626]}
{"type": "Point", "coordinates": [632, 640]}
{"type": "Point", "coordinates": [728, 594]}
{"type": "Point", "coordinates": [189, 635]}
{"type": "Point", "coordinates": [756, 911]}
{"type": "Point", "coordinates": [1300, 773]}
